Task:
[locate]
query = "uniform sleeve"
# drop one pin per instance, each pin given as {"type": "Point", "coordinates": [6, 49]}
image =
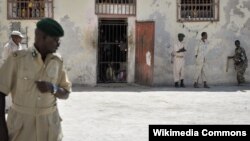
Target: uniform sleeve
{"type": "Point", "coordinates": [7, 75]}
{"type": "Point", "coordinates": [64, 81]}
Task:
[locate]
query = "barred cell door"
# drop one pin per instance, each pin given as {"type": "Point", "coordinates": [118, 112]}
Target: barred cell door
{"type": "Point", "coordinates": [144, 59]}
{"type": "Point", "coordinates": [112, 51]}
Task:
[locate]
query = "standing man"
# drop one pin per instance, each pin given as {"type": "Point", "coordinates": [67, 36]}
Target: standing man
{"type": "Point", "coordinates": [13, 44]}
{"type": "Point", "coordinates": [200, 55]}
{"type": "Point", "coordinates": [36, 78]}
{"type": "Point", "coordinates": [178, 67]}
{"type": "Point", "coordinates": [240, 62]}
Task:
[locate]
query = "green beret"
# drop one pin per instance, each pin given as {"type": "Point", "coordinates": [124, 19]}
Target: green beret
{"type": "Point", "coordinates": [50, 27]}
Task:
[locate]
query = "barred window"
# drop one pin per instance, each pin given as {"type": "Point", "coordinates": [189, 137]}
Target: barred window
{"type": "Point", "coordinates": [29, 9]}
{"type": "Point", "coordinates": [115, 7]}
{"type": "Point", "coordinates": [197, 10]}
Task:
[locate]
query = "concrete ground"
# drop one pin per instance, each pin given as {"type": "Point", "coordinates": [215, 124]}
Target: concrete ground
{"type": "Point", "coordinates": [123, 112]}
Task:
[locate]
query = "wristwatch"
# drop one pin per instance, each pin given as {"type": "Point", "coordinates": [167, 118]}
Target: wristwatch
{"type": "Point", "coordinates": [55, 89]}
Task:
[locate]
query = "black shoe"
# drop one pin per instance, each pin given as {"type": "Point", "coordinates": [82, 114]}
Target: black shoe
{"type": "Point", "coordinates": [182, 84]}
{"type": "Point", "coordinates": [176, 85]}
{"type": "Point", "coordinates": [205, 85]}
{"type": "Point", "coordinates": [196, 85]}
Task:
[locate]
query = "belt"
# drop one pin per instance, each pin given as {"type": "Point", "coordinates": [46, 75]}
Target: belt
{"type": "Point", "coordinates": [33, 111]}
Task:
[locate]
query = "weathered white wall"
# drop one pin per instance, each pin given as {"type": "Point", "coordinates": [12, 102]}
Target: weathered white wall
{"type": "Point", "coordinates": [79, 45]}
{"type": "Point", "coordinates": [234, 24]}
{"type": "Point", "coordinates": [80, 41]}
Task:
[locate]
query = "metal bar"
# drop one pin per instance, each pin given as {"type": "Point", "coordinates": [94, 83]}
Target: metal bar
{"type": "Point", "coordinates": [116, 28]}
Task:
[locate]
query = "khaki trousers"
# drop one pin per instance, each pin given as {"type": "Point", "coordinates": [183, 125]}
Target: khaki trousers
{"type": "Point", "coordinates": [30, 124]}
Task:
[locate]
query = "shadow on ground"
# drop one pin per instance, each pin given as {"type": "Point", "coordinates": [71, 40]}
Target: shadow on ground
{"type": "Point", "coordinates": [125, 87]}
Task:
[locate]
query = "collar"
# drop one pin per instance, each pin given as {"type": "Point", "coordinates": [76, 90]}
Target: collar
{"type": "Point", "coordinates": [35, 52]}
{"type": "Point", "coordinates": [37, 55]}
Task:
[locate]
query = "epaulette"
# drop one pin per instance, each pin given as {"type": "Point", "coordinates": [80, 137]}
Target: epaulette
{"type": "Point", "coordinates": [57, 56]}
{"type": "Point", "coordinates": [19, 53]}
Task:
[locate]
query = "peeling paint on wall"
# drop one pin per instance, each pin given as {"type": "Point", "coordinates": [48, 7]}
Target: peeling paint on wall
{"type": "Point", "coordinates": [230, 5]}
{"type": "Point", "coordinates": [157, 4]}
{"type": "Point", "coordinates": [74, 53]}
{"type": "Point", "coordinates": [154, 2]}
{"type": "Point", "coordinates": [246, 4]}
{"type": "Point", "coordinates": [238, 12]}
{"type": "Point", "coordinates": [168, 4]}
{"type": "Point", "coordinates": [131, 41]}
{"type": "Point", "coordinates": [162, 47]}
{"type": "Point", "coordinates": [90, 37]}
{"type": "Point", "coordinates": [245, 31]}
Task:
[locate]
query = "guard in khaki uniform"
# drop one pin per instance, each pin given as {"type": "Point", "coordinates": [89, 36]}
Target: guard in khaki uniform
{"type": "Point", "coordinates": [178, 55]}
{"type": "Point", "coordinates": [35, 78]}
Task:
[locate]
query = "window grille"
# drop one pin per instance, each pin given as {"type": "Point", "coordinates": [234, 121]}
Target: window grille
{"type": "Point", "coordinates": [197, 10]}
{"type": "Point", "coordinates": [30, 9]}
{"type": "Point", "coordinates": [115, 7]}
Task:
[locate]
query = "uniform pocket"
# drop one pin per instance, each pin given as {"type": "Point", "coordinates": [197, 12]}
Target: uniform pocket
{"type": "Point", "coordinates": [25, 81]}
{"type": "Point", "coordinates": [15, 124]}
{"type": "Point", "coordinates": [55, 130]}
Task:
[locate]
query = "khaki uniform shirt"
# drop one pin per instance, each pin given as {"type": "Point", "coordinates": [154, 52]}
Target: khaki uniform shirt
{"type": "Point", "coordinates": [33, 115]}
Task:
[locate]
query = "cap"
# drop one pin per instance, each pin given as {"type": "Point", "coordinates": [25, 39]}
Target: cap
{"type": "Point", "coordinates": [17, 33]}
{"type": "Point", "coordinates": [50, 27]}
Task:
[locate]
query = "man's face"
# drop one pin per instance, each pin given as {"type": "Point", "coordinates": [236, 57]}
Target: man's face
{"type": "Point", "coordinates": [16, 39]}
{"type": "Point", "coordinates": [237, 44]}
{"type": "Point", "coordinates": [204, 36]}
{"type": "Point", "coordinates": [51, 44]}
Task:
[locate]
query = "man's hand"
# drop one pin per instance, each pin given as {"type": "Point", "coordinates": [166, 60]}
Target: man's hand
{"type": "Point", "coordinates": [181, 50]}
{"type": "Point", "coordinates": [230, 57]}
{"type": "Point", "coordinates": [196, 56]}
{"type": "Point", "coordinates": [44, 86]}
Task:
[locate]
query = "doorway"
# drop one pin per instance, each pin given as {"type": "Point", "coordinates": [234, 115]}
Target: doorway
{"type": "Point", "coordinates": [112, 51]}
{"type": "Point", "coordinates": [144, 56]}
